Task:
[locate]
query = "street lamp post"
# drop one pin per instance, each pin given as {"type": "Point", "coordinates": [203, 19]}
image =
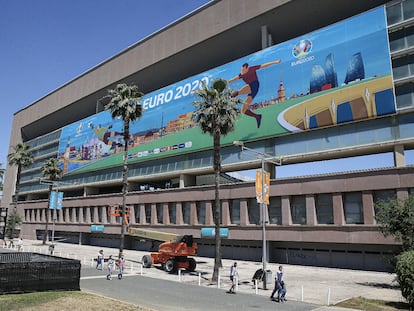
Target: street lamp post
{"type": "Point", "coordinates": [264, 158]}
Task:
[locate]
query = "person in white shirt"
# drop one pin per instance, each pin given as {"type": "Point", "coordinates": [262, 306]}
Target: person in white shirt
{"type": "Point", "coordinates": [234, 276]}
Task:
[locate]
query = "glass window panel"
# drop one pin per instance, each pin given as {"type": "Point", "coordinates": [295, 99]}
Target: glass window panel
{"type": "Point", "coordinates": [275, 210]}
{"type": "Point", "coordinates": [408, 9]}
{"type": "Point", "coordinates": [201, 212]}
{"type": "Point", "coordinates": [172, 212]}
{"type": "Point", "coordinates": [137, 213]}
{"type": "Point", "coordinates": [394, 14]}
{"type": "Point", "coordinates": [404, 94]}
{"type": "Point", "coordinates": [148, 213]}
{"type": "Point", "coordinates": [298, 209]}
{"type": "Point", "coordinates": [186, 212]}
{"type": "Point", "coordinates": [254, 211]}
{"type": "Point", "coordinates": [324, 209]}
{"type": "Point", "coordinates": [397, 40]}
{"type": "Point", "coordinates": [160, 213]}
{"type": "Point", "coordinates": [353, 208]}
{"type": "Point", "coordinates": [235, 212]}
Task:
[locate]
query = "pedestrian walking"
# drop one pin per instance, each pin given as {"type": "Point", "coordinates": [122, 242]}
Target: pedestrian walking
{"type": "Point", "coordinates": [121, 266]}
{"type": "Point", "coordinates": [280, 287]}
{"type": "Point", "coordinates": [111, 266]}
{"type": "Point", "coordinates": [20, 245]}
{"type": "Point", "coordinates": [234, 276]}
{"type": "Point", "coordinates": [100, 260]}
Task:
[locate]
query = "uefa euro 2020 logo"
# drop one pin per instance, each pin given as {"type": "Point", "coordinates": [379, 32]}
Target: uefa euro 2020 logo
{"type": "Point", "coordinates": [302, 48]}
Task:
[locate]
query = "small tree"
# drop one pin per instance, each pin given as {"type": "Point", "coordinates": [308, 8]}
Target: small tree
{"type": "Point", "coordinates": [21, 157]}
{"type": "Point", "coordinates": [125, 104]}
{"type": "Point", "coordinates": [405, 275]}
{"type": "Point", "coordinates": [51, 171]}
{"type": "Point", "coordinates": [396, 217]}
{"type": "Point", "coordinates": [216, 112]}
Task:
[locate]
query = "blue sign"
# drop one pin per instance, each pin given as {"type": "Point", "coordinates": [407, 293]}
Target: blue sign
{"type": "Point", "coordinates": [56, 199]}
{"type": "Point", "coordinates": [211, 232]}
{"type": "Point", "coordinates": [97, 228]}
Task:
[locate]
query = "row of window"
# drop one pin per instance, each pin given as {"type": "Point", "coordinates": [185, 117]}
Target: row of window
{"type": "Point", "coordinates": [181, 213]}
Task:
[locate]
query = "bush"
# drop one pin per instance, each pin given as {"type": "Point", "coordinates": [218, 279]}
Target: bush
{"type": "Point", "coordinates": [405, 275]}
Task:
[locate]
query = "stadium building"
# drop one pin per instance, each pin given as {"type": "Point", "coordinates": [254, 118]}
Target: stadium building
{"type": "Point", "coordinates": [325, 80]}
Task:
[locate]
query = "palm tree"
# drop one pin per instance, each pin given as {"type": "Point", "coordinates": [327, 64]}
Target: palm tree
{"type": "Point", "coordinates": [21, 157]}
{"type": "Point", "coordinates": [51, 171]}
{"type": "Point", "coordinates": [216, 112]}
{"type": "Point", "coordinates": [125, 104]}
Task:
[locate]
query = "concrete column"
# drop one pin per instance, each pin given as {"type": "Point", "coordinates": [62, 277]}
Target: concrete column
{"type": "Point", "coordinates": [165, 214]}
{"type": "Point", "coordinates": [399, 158]}
{"type": "Point", "coordinates": [193, 214]}
{"type": "Point", "coordinates": [244, 213]}
{"type": "Point", "coordinates": [311, 218]}
{"type": "Point", "coordinates": [179, 213]}
{"type": "Point", "coordinates": [209, 214]}
{"type": "Point", "coordinates": [105, 213]}
{"type": "Point", "coordinates": [142, 216]}
{"type": "Point", "coordinates": [81, 215]}
{"type": "Point", "coordinates": [73, 220]}
{"type": "Point", "coordinates": [267, 39]}
{"type": "Point", "coordinates": [88, 214]}
{"type": "Point", "coordinates": [154, 214]}
{"type": "Point", "coordinates": [132, 215]}
{"type": "Point", "coordinates": [66, 217]}
{"type": "Point", "coordinates": [368, 208]}
{"type": "Point", "coordinates": [286, 214]}
{"type": "Point", "coordinates": [225, 213]}
{"type": "Point", "coordinates": [96, 215]}
{"type": "Point", "coordinates": [338, 209]}
{"type": "Point", "coordinates": [187, 180]}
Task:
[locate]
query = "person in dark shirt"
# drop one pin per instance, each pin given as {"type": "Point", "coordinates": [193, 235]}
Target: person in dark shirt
{"type": "Point", "coordinates": [249, 76]}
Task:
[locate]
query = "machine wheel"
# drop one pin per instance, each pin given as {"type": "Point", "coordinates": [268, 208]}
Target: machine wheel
{"type": "Point", "coordinates": [146, 261]}
{"type": "Point", "coordinates": [170, 266]}
{"type": "Point", "coordinates": [191, 264]}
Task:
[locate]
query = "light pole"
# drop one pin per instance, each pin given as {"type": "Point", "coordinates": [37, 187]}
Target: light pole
{"type": "Point", "coordinates": [55, 203]}
{"type": "Point", "coordinates": [264, 158]}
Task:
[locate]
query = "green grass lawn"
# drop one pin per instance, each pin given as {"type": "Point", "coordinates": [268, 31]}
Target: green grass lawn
{"type": "Point", "coordinates": [361, 303]}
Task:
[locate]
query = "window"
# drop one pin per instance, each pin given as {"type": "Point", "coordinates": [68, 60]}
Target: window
{"type": "Point", "coordinates": [235, 212]}
{"type": "Point", "coordinates": [405, 95]}
{"type": "Point", "coordinates": [384, 195]}
{"type": "Point", "coordinates": [136, 213]}
{"type": "Point", "coordinates": [186, 212]}
{"type": "Point", "coordinates": [275, 210]}
{"type": "Point", "coordinates": [400, 11]}
{"type": "Point", "coordinates": [298, 209]}
{"type": "Point", "coordinates": [353, 209]}
{"type": "Point", "coordinates": [201, 212]}
{"type": "Point", "coordinates": [84, 211]}
{"type": "Point", "coordinates": [172, 209]}
{"type": "Point", "coordinates": [324, 209]}
{"type": "Point", "coordinates": [254, 211]}
{"type": "Point", "coordinates": [160, 213]}
{"type": "Point", "coordinates": [148, 213]}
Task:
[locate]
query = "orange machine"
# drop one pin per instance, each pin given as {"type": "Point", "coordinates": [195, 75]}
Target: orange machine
{"type": "Point", "coordinates": [172, 254]}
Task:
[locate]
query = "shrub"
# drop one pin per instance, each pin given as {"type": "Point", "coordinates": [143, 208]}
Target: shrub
{"type": "Point", "coordinates": [405, 275]}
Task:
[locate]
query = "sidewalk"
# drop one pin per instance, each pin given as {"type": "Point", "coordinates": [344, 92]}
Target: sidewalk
{"type": "Point", "coordinates": [322, 286]}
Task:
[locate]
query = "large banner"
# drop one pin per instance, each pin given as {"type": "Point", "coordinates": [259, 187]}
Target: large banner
{"type": "Point", "coordinates": [338, 74]}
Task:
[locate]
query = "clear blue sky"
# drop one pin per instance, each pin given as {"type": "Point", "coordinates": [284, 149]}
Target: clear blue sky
{"type": "Point", "coordinates": [46, 43]}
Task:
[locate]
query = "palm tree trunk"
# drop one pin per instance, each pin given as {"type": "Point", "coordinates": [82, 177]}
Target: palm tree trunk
{"type": "Point", "coordinates": [124, 186]}
{"type": "Point", "coordinates": [217, 205]}
{"type": "Point", "coordinates": [15, 200]}
{"type": "Point", "coordinates": [46, 233]}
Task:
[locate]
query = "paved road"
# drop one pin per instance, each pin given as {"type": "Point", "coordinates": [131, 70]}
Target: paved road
{"type": "Point", "coordinates": [168, 295]}
{"type": "Point", "coordinates": [333, 285]}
